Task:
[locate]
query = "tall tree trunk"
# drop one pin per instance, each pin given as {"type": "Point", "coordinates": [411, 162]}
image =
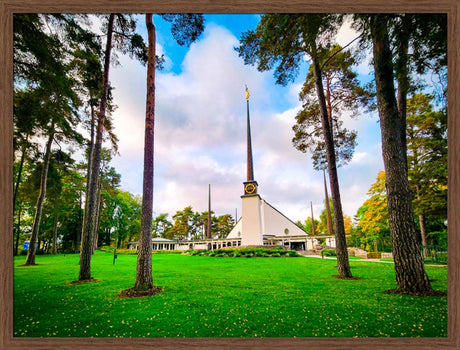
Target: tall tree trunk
{"type": "Point", "coordinates": [77, 240]}
{"type": "Point", "coordinates": [21, 165]}
{"type": "Point", "coordinates": [330, 231]}
{"type": "Point", "coordinates": [41, 200]}
{"type": "Point", "coordinates": [313, 229]}
{"type": "Point", "coordinates": [410, 272]}
{"type": "Point", "coordinates": [403, 80]}
{"type": "Point", "coordinates": [88, 226]}
{"type": "Point", "coordinates": [144, 279]}
{"type": "Point", "coordinates": [18, 232]}
{"type": "Point", "coordinates": [343, 265]}
{"type": "Point", "coordinates": [88, 168]}
{"type": "Point", "coordinates": [329, 103]}
{"type": "Point", "coordinates": [421, 221]}
{"type": "Point", "coordinates": [96, 218]}
{"type": "Point", "coordinates": [55, 225]}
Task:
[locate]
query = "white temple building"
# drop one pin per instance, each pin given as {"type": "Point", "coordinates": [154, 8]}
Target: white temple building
{"type": "Point", "coordinates": [260, 223]}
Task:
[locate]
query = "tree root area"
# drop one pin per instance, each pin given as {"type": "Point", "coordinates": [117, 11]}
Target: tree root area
{"type": "Point", "coordinates": [84, 281]}
{"type": "Point", "coordinates": [431, 293]}
{"type": "Point", "coordinates": [133, 293]}
{"type": "Point", "coordinates": [347, 278]}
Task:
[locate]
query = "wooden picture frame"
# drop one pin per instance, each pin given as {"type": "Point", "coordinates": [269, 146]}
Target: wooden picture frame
{"type": "Point", "coordinates": [9, 7]}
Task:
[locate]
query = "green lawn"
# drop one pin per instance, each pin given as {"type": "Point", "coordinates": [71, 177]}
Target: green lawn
{"type": "Point", "coordinates": [222, 297]}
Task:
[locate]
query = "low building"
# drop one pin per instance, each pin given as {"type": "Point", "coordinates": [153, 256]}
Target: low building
{"type": "Point", "coordinates": [158, 243]}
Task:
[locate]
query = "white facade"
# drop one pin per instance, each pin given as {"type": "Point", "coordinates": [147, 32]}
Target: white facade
{"type": "Point", "coordinates": [258, 219]}
{"type": "Point", "coordinates": [251, 221]}
{"type": "Point", "coordinates": [275, 223]}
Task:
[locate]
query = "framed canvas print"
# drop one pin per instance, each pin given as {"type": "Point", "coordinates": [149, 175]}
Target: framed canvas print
{"type": "Point", "coordinates": [197, 175]}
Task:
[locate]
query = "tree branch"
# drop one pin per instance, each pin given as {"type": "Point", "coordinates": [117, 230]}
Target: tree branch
{"type": "Point", "coordinates": [335, 53]}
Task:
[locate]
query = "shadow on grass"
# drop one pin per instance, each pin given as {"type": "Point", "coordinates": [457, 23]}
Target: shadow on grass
{"type": "Point", "coordinates": [133, 293]}
{"type": "Point", "coordinates": [347, 278]}
{"type": "Point", "coordinates": [431, 293]}
{"type": "Point", "coordinates": [83, 281]}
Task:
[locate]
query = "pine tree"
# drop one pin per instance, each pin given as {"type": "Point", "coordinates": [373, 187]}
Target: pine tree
{"type": "Point", "coordinates": [410, 272]}
{"type": "Point", "coordinates": [282, 40]}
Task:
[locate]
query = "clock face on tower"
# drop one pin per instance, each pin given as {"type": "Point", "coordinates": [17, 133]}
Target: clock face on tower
{"type": "Point", "coordinates": [250, 188]}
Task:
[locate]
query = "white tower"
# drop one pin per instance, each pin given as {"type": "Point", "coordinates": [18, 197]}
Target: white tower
{"type": "Point", "coordinates": [251, 222]}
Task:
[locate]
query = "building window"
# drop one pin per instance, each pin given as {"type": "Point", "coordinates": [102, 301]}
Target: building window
{"type": "Point", "coordinates": [286, 231]}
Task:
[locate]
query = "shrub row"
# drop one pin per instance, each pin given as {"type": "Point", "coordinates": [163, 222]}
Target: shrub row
{"type": "Point", "coordinates": [328, 252]}
{"type": "Point", "coordinates": [168, 251]}
{"type": "Point", "coordinates": [38, 251]}
{"type": "Point", "coordinates": [120, 251]}
{"type": "Point", "coordinates": [246, 252]}
{"type": "Point", "coordinates": [109, 249]}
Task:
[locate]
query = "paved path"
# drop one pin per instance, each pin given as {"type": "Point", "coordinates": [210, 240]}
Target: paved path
{"type": "Point", "coordinates": [363, 260]}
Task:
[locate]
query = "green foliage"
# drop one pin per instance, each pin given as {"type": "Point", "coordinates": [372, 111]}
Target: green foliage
{"type": "Point", "coordinates": [427, 166]}
{"type": "Point", "coordinates": [343, 93]}
{"type": "Point", "coordinates": [372, 216]}
{"type": "Point", "coordinates": [193, 225]}
{"type": "Point", "coordinates": [210, 297]}
{"type": "Point", "coordinates": [161, 226]}
{"type": "Point", "coordinates": [168, 252]}
{"type": "Point", "coordinates": [328, 252]}
{"type": "Point", "coordinates": [427, 157]}
{"type": "Point", "coordinates": [439, 237]}
{"type": "Point", "coordinates": [322, 225]}
{"type": "Point", "coordinates": [106, 249]}
{"type": "Point", "coordinates": [280, 41]}
{"type": "Point", "coordinates": [308, 227]}
{"type": "Point", "coordinates": [110, 249]}
{"type": "Point", "coordinates": [185, 28]}
{"type": "Point", "coordinates": [245, 252]}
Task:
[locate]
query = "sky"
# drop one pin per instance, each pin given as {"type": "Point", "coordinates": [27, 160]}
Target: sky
{"type": "Point", "coordinates": [200, 128]}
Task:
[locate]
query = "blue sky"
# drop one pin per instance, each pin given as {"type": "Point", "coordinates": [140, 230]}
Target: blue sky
{"type": "Point", "coordinates": [200, 129]}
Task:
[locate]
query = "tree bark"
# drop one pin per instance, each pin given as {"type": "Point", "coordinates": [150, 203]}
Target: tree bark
{"type": "Point", "coordinates": [88, 168]}
{"type": "Point", "coordinates": [421, 220]}
{"type": "Point", "coordinates": [343, 265]}
{"type": "Point", "coordinates": [55, 225]}
{"type": "Point", "coordinates": [96, 218]}
{"type": "Point", "coordinates": [21, 165]}
{"type": "Point", "coordinates": [88, 226]}
{"type": "Point", "coordinates": [41, 200]}
{"type": "Point", "coordinates": [403, 82]}
{"type": "Point", "coordinates": [410, 272]}
{"type": "Point", "coordinates": [144, 279]}
{"type": "Point", "coordinates": [330, 231]}
{"type": "Point", "coordinates": [18, 232]}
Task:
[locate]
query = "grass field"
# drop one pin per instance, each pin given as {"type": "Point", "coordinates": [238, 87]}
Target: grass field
{"type": "Point", "coordinates": [222, 297]}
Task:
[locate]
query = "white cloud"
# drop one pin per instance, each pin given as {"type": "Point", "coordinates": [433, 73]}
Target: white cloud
{"type": "Point", "coordinates": [345, 36]}
{"type": "Point", "coordinates": [200, 136]}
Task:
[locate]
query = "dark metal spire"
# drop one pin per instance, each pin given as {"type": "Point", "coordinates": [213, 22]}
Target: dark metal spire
{"type": "Point", "coordinates": [249, 145]}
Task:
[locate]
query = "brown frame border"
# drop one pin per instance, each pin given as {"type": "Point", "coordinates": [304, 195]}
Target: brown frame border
{"type": "Point", "coordinates": [8, 7]}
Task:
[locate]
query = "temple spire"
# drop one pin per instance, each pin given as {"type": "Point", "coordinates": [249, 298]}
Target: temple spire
{"type": "Point", "coordinates": [249, 145]}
